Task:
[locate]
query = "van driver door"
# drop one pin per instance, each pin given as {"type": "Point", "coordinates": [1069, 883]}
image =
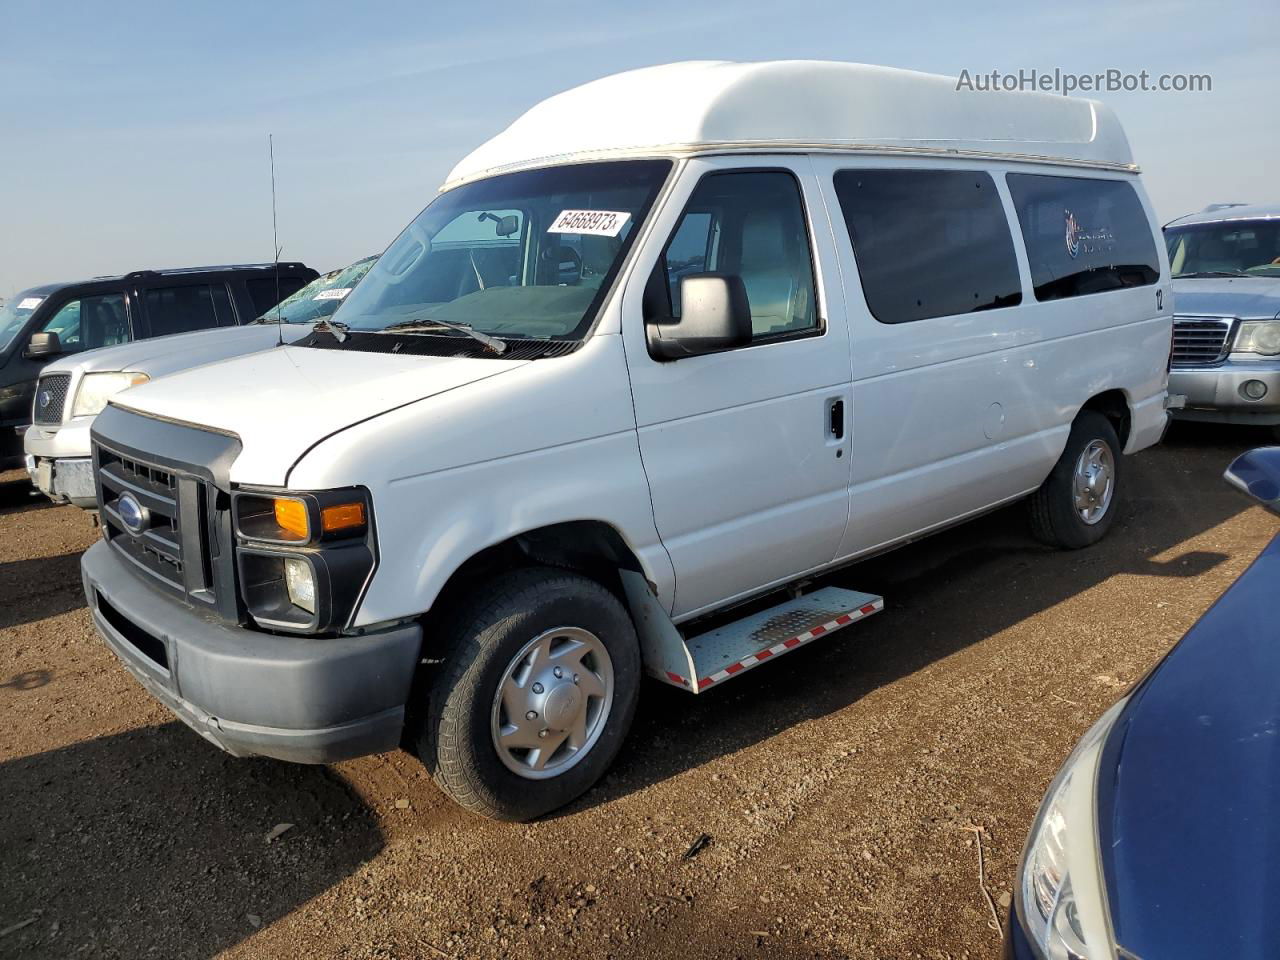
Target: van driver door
{"type": "Point", "coordinates": [746, 450]}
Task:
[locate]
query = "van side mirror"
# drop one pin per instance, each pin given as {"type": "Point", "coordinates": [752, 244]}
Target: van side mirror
{"type": "Point", "coordinates": [1257, 473]}
{"type": "Point", "coordinates": [43, 345]}
{"type": "Point", "coordinates": [714, 316]}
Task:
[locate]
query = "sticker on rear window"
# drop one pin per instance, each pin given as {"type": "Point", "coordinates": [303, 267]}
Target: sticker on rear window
{"type": "Point", "coordinates": [333, 293]}
{"type": "Point", "coordinates": [599, 223]}
{"type": "Point", "coordinates": [30, 303]}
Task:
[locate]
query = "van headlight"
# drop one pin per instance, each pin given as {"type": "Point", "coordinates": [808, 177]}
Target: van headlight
{"type": "Point", "coordinates": [1062, 900]}
{"type": "Point", "coordinates": [1259, 336]}
{"type": "Point", "coordinates": [300, 582]}
{"type": "Point", "coordinates": [303, 557]}
{"type": "Point", "coordinates": [97, 388]}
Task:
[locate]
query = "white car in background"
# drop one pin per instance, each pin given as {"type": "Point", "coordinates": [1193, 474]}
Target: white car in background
{"type": "Point", "coordinates": [58, 454]}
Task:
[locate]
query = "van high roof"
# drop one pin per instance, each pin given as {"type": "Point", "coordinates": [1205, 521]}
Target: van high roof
{"type": "Point", "coordinates": [721, 106]}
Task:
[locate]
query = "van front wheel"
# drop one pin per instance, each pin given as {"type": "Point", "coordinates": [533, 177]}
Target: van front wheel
{"type": "Point", "coordinates": [536, 697]}
{"type": "Point", "coordinates": [1076, 504]}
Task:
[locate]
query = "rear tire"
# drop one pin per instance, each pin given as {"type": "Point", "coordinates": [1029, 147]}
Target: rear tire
{"type": "Point", "coordinates": [493, 744]}
{"type": "Point", "coordinates": [1076, 504]}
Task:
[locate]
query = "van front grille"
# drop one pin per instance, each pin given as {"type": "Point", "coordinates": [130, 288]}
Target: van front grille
{"type": "Point", "coordinates": [156, 546]}
{"type": "Point", "coordinates": [176, 545]}
{"type": "Point", "coordinates": [1200, 340]}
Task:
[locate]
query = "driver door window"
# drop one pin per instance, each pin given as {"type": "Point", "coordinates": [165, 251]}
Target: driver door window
{"type": "Point", "coordinates": [90, 322]}
{"type": "Point", "coordinates": [751, 224]}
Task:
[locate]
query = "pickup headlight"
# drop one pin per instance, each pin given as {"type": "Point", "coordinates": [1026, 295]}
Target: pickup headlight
{"type": "Point", "coordinates": [1259, 336]}
{"type": "Point", "coordinates": [97, 388]}
{"type": "Point", "coordinates": [1062, 899]}
{"type": "Point", "coordinates": [303, 557]}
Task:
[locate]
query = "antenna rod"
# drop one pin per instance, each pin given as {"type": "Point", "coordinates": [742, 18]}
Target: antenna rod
{"type": "Point", "coordinates": [275, 241]}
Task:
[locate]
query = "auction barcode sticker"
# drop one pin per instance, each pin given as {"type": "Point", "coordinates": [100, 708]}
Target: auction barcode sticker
{"type": "Point", "coordinates": [600, 223]}
{"type": "Point", "coordinates": [333, 293]}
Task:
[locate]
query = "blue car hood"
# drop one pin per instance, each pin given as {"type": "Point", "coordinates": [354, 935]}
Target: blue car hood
{"type": "Point", "coordinates": [1189, 787]}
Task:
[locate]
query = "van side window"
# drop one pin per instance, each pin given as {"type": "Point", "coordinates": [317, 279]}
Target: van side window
{"type": "Point", "coordinates": [928, 243]}
{"type": "Point", "coordinates": [752, 224]}
{"type": "Point", "coordinates": [192, 307]}
{"type": "Point", "coordinates": [90, 322]}
{"type": "Point", "coordinates": [1083, 235]}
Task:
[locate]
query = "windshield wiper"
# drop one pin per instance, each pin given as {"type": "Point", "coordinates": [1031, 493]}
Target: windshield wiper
{"type": "Point", "coordinates": [423, 326]}
{"type": "Point", "coordinates": [1211, 273]}
{"type": "Point", "coordinates": [338, 329]}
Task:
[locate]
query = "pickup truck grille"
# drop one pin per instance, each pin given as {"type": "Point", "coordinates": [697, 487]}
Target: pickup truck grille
{"type": "Point", "coordinates": [175, 547]}
{"type": "Point", "coordinates": [1200, 340]}
{"type": "Point", "coordinates": [51, 398]}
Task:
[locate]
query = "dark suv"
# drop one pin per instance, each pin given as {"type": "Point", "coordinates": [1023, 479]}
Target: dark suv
{"type": "Point", "coordinates": [39, 324]}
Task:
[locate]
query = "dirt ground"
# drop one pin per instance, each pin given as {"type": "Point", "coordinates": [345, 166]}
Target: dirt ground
{"type": "Point", "coordinates": [836, 784]}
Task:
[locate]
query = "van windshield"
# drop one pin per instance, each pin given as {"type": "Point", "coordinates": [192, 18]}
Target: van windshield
{"type": "Point", "coordinates": [1234, 248]}
{"type": "Point", "coordinates": [319, 298]}
{"type": "Point", "coordinates": [527, 254]}
{"type": "Point", "coordinates": [14, 315]}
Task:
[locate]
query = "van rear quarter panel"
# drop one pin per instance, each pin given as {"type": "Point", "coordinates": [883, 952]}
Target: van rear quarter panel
{"type": "Point", "coordinates": [953, 415]}
{"type": "Point", "coordinates": [551, 442]}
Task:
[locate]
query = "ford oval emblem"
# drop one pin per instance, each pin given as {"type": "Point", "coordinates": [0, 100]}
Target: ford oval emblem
{"type": "Point", "coordinates": [133, 515]}
{"type": "Point", "coordinates": [44, 399]}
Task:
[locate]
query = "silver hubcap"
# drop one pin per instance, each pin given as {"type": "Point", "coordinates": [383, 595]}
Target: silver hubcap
{"type": "Point", "coordinates": [552, 703]}
{"type": "Point", "coordinates": [1094, 482]}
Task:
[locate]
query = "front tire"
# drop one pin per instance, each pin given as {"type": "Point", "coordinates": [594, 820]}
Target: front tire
{"type": "Point", "coordinates": [1076, 504]}
{"type": "Point", "coordinates": [536, 697]}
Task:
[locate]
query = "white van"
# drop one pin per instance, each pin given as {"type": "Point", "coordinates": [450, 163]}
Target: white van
{"type": "Point", "coordinates": [746, 324]}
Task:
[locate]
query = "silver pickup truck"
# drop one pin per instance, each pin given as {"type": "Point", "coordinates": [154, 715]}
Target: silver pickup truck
{"type": "Point", "coordinates": [58, 451]}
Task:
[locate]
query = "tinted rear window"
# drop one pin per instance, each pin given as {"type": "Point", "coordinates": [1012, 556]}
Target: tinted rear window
{"type": "Point", "coordinates": [1083, 235]}
{"type": "Point", "coordinates": [929, 243]}
{"type": "Point", "coordinates": [192, 307]}
{"type": "Point", "coordinates": [263, 291]}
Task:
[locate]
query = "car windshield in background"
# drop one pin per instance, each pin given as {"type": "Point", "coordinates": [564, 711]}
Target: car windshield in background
{"type": "Point", "coordinates": [14, 315]}
{"type": "Point", "coordinates": [321, 297]}
{"type": "Point", "coordinates": [527, 254]}
{"type": "Point", "coordinates": [1235, 248]}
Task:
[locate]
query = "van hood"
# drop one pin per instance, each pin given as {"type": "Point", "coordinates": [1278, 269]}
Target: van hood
{"type": "Point", "coordinates": [159, 356]}
{"type": "Point", "coordinates": [282, 402]}
{"type": "Point", "coordinates": [1246, 298]}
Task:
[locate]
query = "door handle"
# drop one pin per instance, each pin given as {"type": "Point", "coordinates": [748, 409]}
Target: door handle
{"type": "Point", "coordinates": [836, 422]}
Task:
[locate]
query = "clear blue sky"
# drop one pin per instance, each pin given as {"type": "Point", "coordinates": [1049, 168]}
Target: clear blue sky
{"type": "Point", "coordinates": [135, 134]}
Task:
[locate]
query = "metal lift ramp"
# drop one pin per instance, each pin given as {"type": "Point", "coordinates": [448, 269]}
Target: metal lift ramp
{"type": "Point", "coordinates": [704, 660]}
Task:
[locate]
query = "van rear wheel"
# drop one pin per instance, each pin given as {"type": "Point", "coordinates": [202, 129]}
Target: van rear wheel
{"type": "Point", "coordinates": [536, 697]}
{"type": "Point", "coordinates": [1076, 504]}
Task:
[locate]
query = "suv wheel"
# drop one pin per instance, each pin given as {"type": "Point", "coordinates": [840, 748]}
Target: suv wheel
{"type": "Point", "coordinates": [536, 697]}
{"type": "Point", "coordinates": [1076, 504]}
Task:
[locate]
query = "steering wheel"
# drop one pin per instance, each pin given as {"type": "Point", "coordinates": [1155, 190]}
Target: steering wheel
{"type": "Point", "coordinates": [559, 255]}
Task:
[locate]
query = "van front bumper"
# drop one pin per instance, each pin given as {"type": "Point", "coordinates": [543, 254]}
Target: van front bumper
{"type": "Point", "coordinates": [1217, 393]}
{"type": "Point", "coordinates": [302, 699]}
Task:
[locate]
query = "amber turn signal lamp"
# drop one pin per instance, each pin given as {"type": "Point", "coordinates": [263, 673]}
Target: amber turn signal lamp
{"type": "Point", "coordinates": [291, 518]}
{"type": "Point", "coordinates": [342, 516]}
